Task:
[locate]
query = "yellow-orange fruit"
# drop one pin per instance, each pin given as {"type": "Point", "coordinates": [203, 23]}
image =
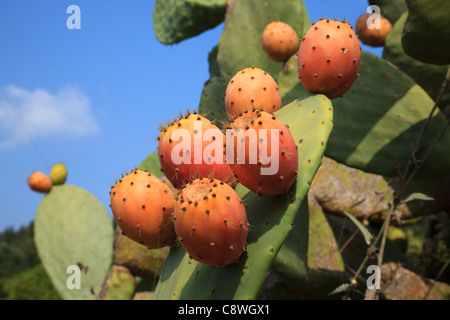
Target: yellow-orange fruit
{"type": "Point", "coordinates": [142, 205]}
{"type": "Point", "coordinates": [40, 182]}
{"type": "Point", "coordinates": [280, 41]}
{"type": "Point", "coordinates": [211, 222]}
{"type": "Point", "coordinates": [252, 88]}
{"type": "Point", "coordinates": [375, 36]}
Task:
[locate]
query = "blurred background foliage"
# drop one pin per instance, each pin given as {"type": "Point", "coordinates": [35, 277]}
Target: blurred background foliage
{"type": "Point", "coordinates": [22, 276]}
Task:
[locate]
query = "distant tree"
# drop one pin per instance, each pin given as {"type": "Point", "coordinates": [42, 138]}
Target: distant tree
{"type": "Point", "coordinates": [17, 250]}
{"type": "Point", "coordinates": [17, 254]}
{"type": "Point", "coordinates": [31, 284]}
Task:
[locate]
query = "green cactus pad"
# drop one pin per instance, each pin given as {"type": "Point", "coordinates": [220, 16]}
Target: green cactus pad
{"type": "Point", "coordinates": [429, 76]}
{"type": "Point", "coordinates": [289, 83]}
{"type": "Point", "coordinates": [291, 261]}
{"type": "Point", "coordinates": [214, 69]}
{"type": "Point", "coordinates": [212, 103]}
{"type": "Point", "coordinates": [426, 35]}
{"type": "Point", "coordinates": [177, 20]}
{"type": "Point", "coordinates": [323, 249]}
{"type": "Point", "coordinates": [152, 164]}
{"type": "Point", "coordinates": [378, 121]}
{"type": "Point", "coordinates": [390, 9]}
{"type": "Point", "coordinates": [271, 219]}
{"type": "Point", "coordinates": [310, 249]}
{"type": "Point", "coordinates": [72, 227]}
{"type": "Point", "coordinates": [240, 45]}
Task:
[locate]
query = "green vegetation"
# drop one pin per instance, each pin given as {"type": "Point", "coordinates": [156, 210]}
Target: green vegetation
{"type": "Point", "coordinates": [22, 277]}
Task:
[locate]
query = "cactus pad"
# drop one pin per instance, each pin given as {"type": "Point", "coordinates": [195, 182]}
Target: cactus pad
{"type": "Point", "coordinates": [391, 9]}
{"type": "Point", "coordinates": [212, 105]}
{"type": "Point", "coordinates": [429, 76]}
{"type": "Point", "coordinates": [72, 227]}
{"type": "Point", "coordinates": [177, 20]}
{"type": "Point", "coordinates": [426, 35]}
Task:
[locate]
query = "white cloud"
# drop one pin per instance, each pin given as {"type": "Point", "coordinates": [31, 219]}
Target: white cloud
{"type": "Point", "coordinates": [26, 116]}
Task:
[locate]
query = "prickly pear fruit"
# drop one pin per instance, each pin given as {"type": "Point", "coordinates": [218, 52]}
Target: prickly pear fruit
{"type": "Point", "coordinates": [252, 88]}
{"type": "Point", "coordinates": [375, 35]}
{"type": "Point", "coordinates": [200, 153]}
{"type": "Point", "coordinates": [39, 182]}
{"type": "Point", "coordinates": [211, 222]}
{"type": "Point", "coordinates": [142, 206]}
{"type": "Point", "coordinates": [280, 41]}
{"type": "Point", "coordinates": [269, 166]}
{"type": "Point", "coordinates": [329, 58]}
{"type": "Point", "coordinates": [58, 174]}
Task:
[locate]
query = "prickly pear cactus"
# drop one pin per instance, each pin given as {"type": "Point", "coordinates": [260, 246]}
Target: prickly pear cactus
{"type": "Point", "coordinates": [388, 118]}
{"type": "Point", "coordinates": [391, 9]}
{"type": "Point", "coordinates": [429, 76]}
{"type": "Point", "coordinates": [271, 219]}
{"type": "Point", "coordinates": [323, 250]}
{"type": "Point", "coordinates": [291, 261]}
{"type": "Point", "coordinates": [151, 164]}
{"type": "Point", "coordinates": [212, 104]}
{"type": "Point", "coordinates": [426, 34]}
{"type": "Point", "coordinates": [72, 228]}
{"type": "Point", "coordinates": [371, 130]}
{"type": "Point", "coordinates": [177, 20]}
{"type": "Point", "coordinates": [244, 24]}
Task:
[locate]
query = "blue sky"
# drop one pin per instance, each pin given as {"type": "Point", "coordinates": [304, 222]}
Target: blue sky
{"type": "Point", "coordinates": [93, 98]}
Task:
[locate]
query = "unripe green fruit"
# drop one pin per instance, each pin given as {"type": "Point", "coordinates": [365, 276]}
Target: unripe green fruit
{"type": "Point", "coordinates": [58, 174]}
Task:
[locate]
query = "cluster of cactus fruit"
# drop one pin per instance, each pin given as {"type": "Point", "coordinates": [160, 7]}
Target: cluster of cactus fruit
{"type": "Point", "coordinates": [40, 182]}
{"type": "Point", "coordinates": [204, 213]}
{"type": "Point", "coordinates": [227, 188]}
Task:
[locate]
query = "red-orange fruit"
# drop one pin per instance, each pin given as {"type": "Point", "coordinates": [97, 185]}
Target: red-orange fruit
{"type": "Point", "coordinates": [280, 41]}
{"type": "Point", "coordinates": [186, 149]}
{"type": "Point", "coordinates": [142, 205]}
{"type": "Point", "coordinates": [40, 182]}
{"type": "Point", "coordinates": [269, 166]}
{"type": "Point", "coordinates": [329, 58]}
{"type": "Point", "coordinates": [374, 36]}
{"type": "Point", "coordinates": [249, 89]}
{"type": "Point", "coordinates": [211, 222]}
